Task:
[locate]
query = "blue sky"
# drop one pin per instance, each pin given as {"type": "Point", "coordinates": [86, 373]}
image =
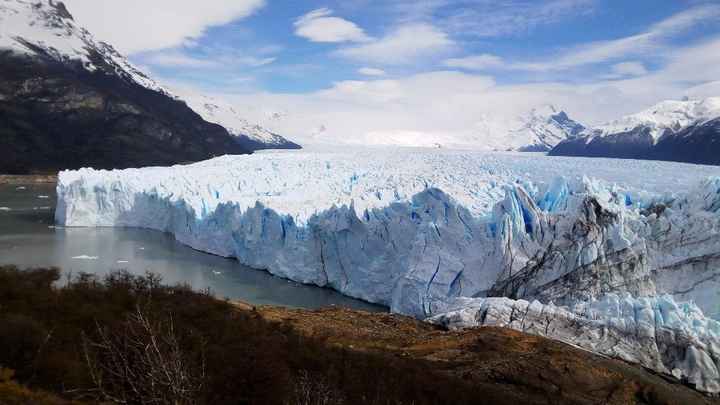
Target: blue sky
{"type": "Point", "coordinates": [263, 51]}
{"type": "Point", "coordinates": [419, 68]}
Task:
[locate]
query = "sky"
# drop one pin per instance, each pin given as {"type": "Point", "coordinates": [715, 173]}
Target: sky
{"type": "Point", "coordinates": [420, 68]}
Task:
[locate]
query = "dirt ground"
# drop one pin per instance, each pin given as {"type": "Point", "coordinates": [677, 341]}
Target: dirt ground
{"type": "Point", "coordinates": [534, 369]}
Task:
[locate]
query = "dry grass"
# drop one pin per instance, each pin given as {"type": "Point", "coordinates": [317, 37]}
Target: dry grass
{"type": "Point", "coordinates": [28, 179]}
{"type": "Point", "coordinates": [492, 358]}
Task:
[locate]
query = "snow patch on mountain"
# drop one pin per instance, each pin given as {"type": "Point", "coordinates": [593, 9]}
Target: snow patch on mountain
{"type": "Point", "coordinates": [228, 116]}
{"type": "Point", "coordinates": [46, 28]}
{"type": "Point", "coordinates": [666, 117]}
{"type": "Point", "coordinates": [546, 127]}
{"type": "Point", "coordinates": [539, 130]}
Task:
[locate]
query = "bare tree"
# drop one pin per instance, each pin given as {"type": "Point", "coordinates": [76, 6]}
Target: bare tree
{"type": "Point", "coordinates": [315, 390]}
{"type": "Point", "coordinates": [143, 363]}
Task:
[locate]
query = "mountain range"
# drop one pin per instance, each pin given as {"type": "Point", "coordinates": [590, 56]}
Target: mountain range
{"type": "Point", "coordinates": [681, 131]}
{"type": "Point", "coordinates": [546, 127]}
{"type": "Point", "coordinates": [68, 100]}
{"type": "Point", "coordinates": [537, 130]}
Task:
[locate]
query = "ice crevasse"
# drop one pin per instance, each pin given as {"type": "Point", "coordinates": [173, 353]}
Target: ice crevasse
{"type": "Point", "coordinates": [462, 239]}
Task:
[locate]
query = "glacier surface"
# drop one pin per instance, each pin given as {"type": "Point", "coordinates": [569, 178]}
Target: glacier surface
{"type": "Point", "coordinates": [442, 234]}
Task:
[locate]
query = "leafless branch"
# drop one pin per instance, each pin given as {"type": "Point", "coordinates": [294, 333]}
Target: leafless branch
{"type": "Point", "coordinates": [144, 362]}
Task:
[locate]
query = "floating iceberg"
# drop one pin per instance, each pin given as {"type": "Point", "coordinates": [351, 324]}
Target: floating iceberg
{"type": "Point", "coordinates": [421, 231]}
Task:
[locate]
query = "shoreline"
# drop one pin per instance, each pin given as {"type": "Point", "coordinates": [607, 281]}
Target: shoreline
{"type": "Point", "coordinates": [11, 179]}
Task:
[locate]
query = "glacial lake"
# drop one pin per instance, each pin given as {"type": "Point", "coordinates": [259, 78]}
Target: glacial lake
{"type": "Point", "coordinates": [28, 238]}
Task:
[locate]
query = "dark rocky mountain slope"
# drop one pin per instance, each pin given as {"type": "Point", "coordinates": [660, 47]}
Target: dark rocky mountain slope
{"type": "Point", "coordinates": [679, 131]}
{"type": "Point", "coordinates": [696, 144]}
{"type": "Point", "coordinates": [699, 144]}
{"type": "Point", "coordinates": [67, 101]}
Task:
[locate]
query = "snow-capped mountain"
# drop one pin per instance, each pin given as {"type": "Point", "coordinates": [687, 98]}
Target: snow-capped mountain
{"type": "Point", "coordinates": [538, 130]}
{"type": "Point", "coordinates": [684, 131]}
{"type": "Point", "coordinates": [544, 128]}
{"type": "Point", "coordinates": [47, 27]}
{"type": "Point", "coordinates": [664, 118]}
{"type": "Point", "coordinates": [68, 100]}
{"type": "Point", "coordinates": [249, 135]}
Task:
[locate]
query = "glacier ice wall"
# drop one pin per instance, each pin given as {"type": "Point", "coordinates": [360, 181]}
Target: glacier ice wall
{"type": "Point", "coordinates": [420, 232]}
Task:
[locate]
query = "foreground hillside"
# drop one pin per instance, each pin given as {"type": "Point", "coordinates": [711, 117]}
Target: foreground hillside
{"type": "Point", "coordinates": [88, 342]}
{"type": "Point", "coordinates": [69, 101]}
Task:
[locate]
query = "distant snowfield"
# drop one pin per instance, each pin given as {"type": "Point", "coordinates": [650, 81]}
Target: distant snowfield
{"type": "Point", "coordinates": [431, 232]}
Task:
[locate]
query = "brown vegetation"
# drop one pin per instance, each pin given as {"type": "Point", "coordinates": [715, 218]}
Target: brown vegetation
{"type": "Point", "coordinates": [28, 179]}
{"type": "Point", "coordinates": [127, 339]}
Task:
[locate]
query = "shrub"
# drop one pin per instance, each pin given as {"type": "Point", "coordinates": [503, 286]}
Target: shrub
{"type": "Point", "coordinates": [131, 339]}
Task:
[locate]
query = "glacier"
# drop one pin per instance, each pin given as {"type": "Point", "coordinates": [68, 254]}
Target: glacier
{"type": "Point", "coordinates": [610, 255]}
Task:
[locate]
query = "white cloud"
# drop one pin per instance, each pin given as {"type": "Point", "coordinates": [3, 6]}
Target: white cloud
{"type": "Point", "coordinates": [178, 59]}
{"type": "Point", "coordinates": [629, 69]}
{"type": "Point", "coordinates": [704, 90]}
{"type": "Point", "coordinates": [255, 62]}
{"type": "Point", "coordinates": [404, 45]}
{"type": "Point", "coordinates": [698, 63]}
{"type": "Point", "coordinates": [641, 44]}
{"type": "Point", "coordinates": [477, 62]}
{"type": "Point", "coordinates": [141, 25]}
{"type": "Point", "coordinates": [319, 26]}
{"type": "Point", "coordinates": [686, 19]}
{"type": "Point", "coordinates": [596, 52]}
{"type": "Point", "coordinates": [451, 107]}
{"type": "Point", "coordinates": [367, 71]}
{"type": "Point", "coordinates": [496, 18]}
{"type": "Point", "coordinates": [215, 59]}
{"type": "Point", "coordinates": [409, 90]}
